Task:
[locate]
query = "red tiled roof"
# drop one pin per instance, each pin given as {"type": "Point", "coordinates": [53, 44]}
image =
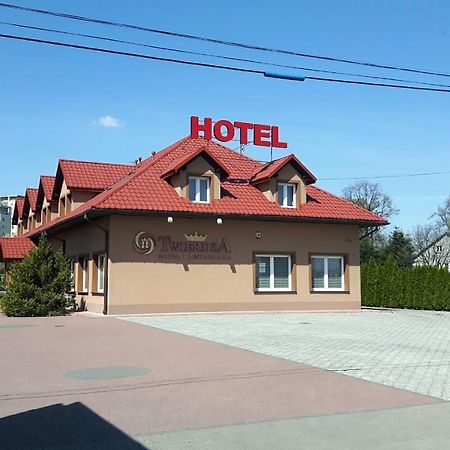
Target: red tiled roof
{"type": "Point", "coordinates": [14, 248]}
{"type": "Point", "coordinates": [45, 190]}
{"type": "Point", "coordinates": [273, 167]}
{"type": "Point", "coordinates": [177, 164]}
{"type": "Point", "coordinates": [93, 176]}
{"type": "Point", "coordinates": [47, 185]}
{"type": "Point", "coordinates": [30, 200]}
{"type": "Point", "coordinates": [145, 190]}
{"type": "Point", "coordinates": [18, 209]}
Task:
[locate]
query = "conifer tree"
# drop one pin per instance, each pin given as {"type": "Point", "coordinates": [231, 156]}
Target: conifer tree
{"type": "Point", "coordinates": [40, 284]}
{"type": "Point", "coordinates": [401, 247]}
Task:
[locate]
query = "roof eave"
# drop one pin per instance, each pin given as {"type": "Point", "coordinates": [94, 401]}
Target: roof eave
{"type": "Point", "coordinates": [272, 218]}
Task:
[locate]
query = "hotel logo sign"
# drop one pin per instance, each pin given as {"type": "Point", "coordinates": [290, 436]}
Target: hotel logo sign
{"type": "Point", "coordinates": [194, 247]}
{"type": "Point", "coordinates": [144, 243]}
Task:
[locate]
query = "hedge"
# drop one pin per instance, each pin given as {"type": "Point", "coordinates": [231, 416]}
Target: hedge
{"type": "Point", "coordinates": [387, 285]}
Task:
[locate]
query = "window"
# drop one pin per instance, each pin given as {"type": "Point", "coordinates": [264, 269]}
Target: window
{"type": "Point", "coordinates": [273, 273]}
{"type": "Point", "coordinates": [72, 273]}
{"type": "Point", "coordinates": [327, 273]}
{"type": "Point", "coordinates": [100, 273]}
{"type": "Point", "coordinates": [438, 248]}
{"type": "Point", "coordinates": [286, 195]}
{"type": "Point", "coordinates": [83, 285]}
{"type": "Point", "coordinates": [199, 189]}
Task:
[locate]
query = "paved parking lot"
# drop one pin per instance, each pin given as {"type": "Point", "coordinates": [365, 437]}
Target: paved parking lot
{"type": "Point", "coordinates": [84, 382]}
{"type": "Point", "coordinates": [404, 349]}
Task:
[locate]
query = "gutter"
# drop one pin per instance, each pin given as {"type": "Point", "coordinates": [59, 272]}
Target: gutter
{"type": "Point", "coordinates": [106, 268]}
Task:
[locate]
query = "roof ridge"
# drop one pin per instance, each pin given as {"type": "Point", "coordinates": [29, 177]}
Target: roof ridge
{"type": "Point", "coordinates": [141, 168]}
{"type": "Point", "coordinates": [95, 162]}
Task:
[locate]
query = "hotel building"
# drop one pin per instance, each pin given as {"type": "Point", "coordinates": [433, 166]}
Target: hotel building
{"type": "Point", "coordinates": [198, 227]}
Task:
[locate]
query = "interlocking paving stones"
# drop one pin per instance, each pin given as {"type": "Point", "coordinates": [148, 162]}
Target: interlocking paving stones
{"type": "Point", "coordinates": [197, 392]}
{"type": "Point", "coordinates": [404, 349]}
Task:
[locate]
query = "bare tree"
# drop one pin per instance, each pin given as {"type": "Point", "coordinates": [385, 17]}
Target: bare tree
{"type": "Point", "coordinates": [432, 247]}
{"type": "Point", "coordinates": [442, 216]}
{"type": "Point", "coordinates": [370, 196]}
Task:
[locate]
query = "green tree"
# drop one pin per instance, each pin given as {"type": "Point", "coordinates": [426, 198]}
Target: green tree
{"type": "Point", "coordinates": [40, 284]}
{"type": "Point", "coordinates": [401, 247]}
{"type": "Point", "coordinates": [370, 196]}
{"type": "Point", "coordinates": [373, 248]}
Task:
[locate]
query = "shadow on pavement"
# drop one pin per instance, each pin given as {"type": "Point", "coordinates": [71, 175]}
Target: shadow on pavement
{"type": "Point", "coordinates": [65, 427]}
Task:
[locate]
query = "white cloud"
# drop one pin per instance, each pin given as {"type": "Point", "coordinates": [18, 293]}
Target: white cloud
{"type": "Point", "coordinates": [109, 122]}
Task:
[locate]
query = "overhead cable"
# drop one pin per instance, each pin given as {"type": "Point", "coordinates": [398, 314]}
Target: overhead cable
{"type": "Point", "coordinates": [219, 41]}
{"type": "Point", "coordinates": [229, 58]}
{"type": "Point", "coordinates": [217, 66]}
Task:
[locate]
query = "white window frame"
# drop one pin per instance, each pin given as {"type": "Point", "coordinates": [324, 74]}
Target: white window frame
{"type": "Point", "coordinates": [84, 274]}
{"type": "Point", "coordinates": [197, 189]}
{"type": "Point", "coordinates": [325, 275]}
{"type": "Point", "coordinates": [272, 275]}
{"type": "Point", "coordinates": [283, 201]}
{"type": "Point", "coordinates": [100, 273]}
{"type": "Point", "coordinates": [72, 273]}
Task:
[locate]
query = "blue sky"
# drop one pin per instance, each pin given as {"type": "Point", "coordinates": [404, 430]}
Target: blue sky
{"type": "Point", "coordinates": [51, 99]}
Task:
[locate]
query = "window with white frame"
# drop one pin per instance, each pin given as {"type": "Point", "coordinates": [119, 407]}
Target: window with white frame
{"type": "Point", "coordinates": [72, 274]}
{"type": "Point", "coordinates": [327, 273]}
{"type": "Point", "coordinates": [199, 188]}
{"type": "Point", "coordinates": [84, 266]}
{"type": "Point", "coordinates": [286, 195]}
{"type": "Point", "coordinates": [273, 273]}
{"type": "Point", "coordinates": [100, 273]}
{"type": "Point", "coordinates": [438, 248]}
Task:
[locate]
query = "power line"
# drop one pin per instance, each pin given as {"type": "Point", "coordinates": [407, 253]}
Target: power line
{"type": "Point", "coordinates": [405, 175]}
{"type": "Point", "coordinates": [135, 55]}
{"type": "Point", "coordinates": [219, 41]}
{"type": "Point", "coordinates": [217, 66]}
{"type": "Point", "coordinates": [229, 58]}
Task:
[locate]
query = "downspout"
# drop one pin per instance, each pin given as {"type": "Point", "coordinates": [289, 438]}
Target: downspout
{"type": "Point", "coordinates": [106, 281]}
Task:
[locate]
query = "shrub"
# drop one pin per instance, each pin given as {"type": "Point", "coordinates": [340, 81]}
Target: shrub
{"type": "Point", "coordinates": [388, 285]}
{"type": "Point", "coordinates": [40, 284]}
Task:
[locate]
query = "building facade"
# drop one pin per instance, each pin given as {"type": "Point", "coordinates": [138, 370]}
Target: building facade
{"type": "Point", "coordinates": [199, 227]}
{"type": "Point", "coordinates": [437, 253]}
{"type": "Point", "coordinates": [7, 203]}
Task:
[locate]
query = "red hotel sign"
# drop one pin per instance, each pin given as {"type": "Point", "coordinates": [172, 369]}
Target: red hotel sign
{"type": "Point", "coordinates": [224, 131]}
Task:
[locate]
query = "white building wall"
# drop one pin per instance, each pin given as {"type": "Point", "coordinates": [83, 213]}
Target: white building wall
{"type": "Point", "coordinates": [7, 203]}
{"type": "Point", "coordinates": [437, 254]}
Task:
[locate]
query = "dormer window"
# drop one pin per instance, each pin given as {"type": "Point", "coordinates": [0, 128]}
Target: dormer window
{"type": "Point", "coordinates": [286, 195]}
{"type": "Point", "coordinates": [199, 189]}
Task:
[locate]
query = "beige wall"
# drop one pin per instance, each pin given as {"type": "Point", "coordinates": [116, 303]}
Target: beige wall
{"type": "Point", "coordinates": [49, 211]}
{"type": "Point", "coordinates": [80, 197]}
{"type": "Point", "coordinates": [197, 167]}
{"type": "Point", "coordinates": [287, 174]}
{"type": "Point", "coordinates": [84, 240]}
{"type": "Point", "coordinates": [153, 283]}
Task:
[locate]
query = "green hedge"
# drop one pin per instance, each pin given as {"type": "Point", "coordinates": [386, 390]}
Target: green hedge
{"type": "Point", "coordinates": [387, 285]}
